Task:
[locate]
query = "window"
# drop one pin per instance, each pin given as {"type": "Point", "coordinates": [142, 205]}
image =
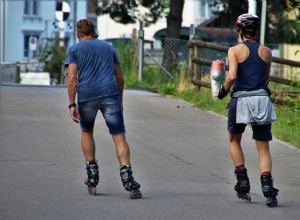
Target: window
{"type": "Point", "coordinates": [35, 7]}
{"type": "Point", "coordinates": [203, 10]}
{"type": "Point", "coordinates": [31, 7]}
{"type": "Point", "coordinates": [26, 7]}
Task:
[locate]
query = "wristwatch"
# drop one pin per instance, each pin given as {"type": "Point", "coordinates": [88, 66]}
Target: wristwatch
{"type": "Point", "coordinates": [72, 105]}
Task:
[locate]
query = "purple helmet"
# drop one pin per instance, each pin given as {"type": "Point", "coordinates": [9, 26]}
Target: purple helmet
{"type": "Point", "coordinates": [248, 22]}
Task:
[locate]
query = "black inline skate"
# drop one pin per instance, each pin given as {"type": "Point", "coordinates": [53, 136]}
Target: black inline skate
{"type": "Point", "coordinates": [92, 176]}
{"type": "Point", "coordinates": [129, 183]}
{"type": "Point", "coordinates": [242, 186]}
{"type": "Point", "coordinates": [269, 191]}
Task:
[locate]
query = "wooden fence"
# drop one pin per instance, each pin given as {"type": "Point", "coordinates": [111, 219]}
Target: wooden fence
{"type": "Point", "coordinates": [195, 75]}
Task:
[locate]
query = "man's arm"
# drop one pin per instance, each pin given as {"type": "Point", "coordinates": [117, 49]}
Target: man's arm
{"type": "Point", "coordinates": [72, 82]}
{"type": "Point", "coordinates": [119, 78]}
{"type": "Point", "coordinates": [72, 89]}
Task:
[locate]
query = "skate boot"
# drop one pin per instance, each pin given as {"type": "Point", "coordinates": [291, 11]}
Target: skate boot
{"type": "Point", "coordinates": [269, 191]}
{"type": "Point", "coordinates": [92, 176]}
{"type": "Point", "coordinates": [242, 186]}
{"type": "Point", "coordinates": [129, 183]}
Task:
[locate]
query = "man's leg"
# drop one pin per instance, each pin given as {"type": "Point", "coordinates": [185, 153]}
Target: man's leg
{"type": "Point", "coordinates": [113, 115]}
{"type": "Point", "coordinates": [122, 149]}
{"type": "Point", "coordinates": [88, 149]}
{"type": "Point", "coordinates": [123, 154]}
{"type": "Point", "coordinates": [88, 145]}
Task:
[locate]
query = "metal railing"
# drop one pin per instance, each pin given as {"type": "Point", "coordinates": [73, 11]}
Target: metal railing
{"type": "Point", "coordinates": [10, 72]}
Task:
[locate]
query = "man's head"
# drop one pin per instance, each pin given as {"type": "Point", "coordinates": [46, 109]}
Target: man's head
{"type": "Point", "coordinates": [85, 27]}
{"type": "Point", "coordinates": [248, 25]}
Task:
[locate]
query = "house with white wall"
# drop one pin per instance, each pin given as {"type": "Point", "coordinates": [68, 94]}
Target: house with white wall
{"type": "Point", "coordinates": [22, 20]}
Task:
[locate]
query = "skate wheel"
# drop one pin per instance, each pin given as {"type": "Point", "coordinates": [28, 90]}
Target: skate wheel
{"type": "Point", "coordinates": [92, 190]}
{"type": "Point", "coordinates": [272, 202]}
{"type": "Point", "coordinates": [244, 196]}
{"type": "Point", "coordinates": [135, 194]}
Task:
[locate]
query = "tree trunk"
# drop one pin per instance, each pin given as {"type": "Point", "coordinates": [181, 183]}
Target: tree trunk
{"type": "Point", "coordinates": [174, 19]}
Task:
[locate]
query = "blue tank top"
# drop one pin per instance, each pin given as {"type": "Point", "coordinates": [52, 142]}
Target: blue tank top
{"type": "Point", "coordinates": [251, 73]}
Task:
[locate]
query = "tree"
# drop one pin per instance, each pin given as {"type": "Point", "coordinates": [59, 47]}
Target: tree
{"type": "Point", "coordinates": [174, 20]}
{"type": "Point", "coordinates": [280, 27]}
{"type": "Point", "coordinates": [131, 11]}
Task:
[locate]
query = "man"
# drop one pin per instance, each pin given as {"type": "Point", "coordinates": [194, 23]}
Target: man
{"type": "Point", "coordinates": [95, 75]}
{"type": "Point", "coordinates": [249, 72]}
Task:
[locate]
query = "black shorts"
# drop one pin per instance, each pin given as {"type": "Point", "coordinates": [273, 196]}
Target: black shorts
{"type": "Point", "coordinates": [260, 132]}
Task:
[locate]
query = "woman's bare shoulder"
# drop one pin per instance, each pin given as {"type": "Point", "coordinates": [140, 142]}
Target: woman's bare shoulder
{"type": "Point", "coordinates": [265, 53]}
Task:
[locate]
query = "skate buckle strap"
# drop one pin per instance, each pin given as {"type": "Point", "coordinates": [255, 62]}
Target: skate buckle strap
{"type": "Point", "coordinates": [125, 176]}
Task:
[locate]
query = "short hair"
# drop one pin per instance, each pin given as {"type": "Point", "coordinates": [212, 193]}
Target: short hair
{"type": "Point", "coordinates": [86, 27]}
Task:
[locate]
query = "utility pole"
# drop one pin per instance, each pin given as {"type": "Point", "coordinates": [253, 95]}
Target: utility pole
{"type": "Point", "coordinates": [252, 7]}
{"type": "Point", "coordinates": [141, 50]}
{"type": "Point", "coordinates": [74, 20]}
{"type": "Point", "coordinates": [263, 21]}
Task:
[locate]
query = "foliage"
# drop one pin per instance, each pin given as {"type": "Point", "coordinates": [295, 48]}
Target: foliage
{"type": "Point", "coordinates": [127, 56]}
{"type": "Point", "coordinates": [168, 88]}
{"type": "Point", "coordinates": [286, 127]}
{"type": "Point", "coordinates": [53, 55]}
{"type": "Point", "coordinates": [129, 11]}
{"type": "Point", "coordinates": [280, 28]}
{"type": "Point", "coordinates": [231, 10]}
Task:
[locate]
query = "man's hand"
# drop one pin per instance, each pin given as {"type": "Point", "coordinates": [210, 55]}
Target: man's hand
{"type": "Point", "coordinates": [74, 114]}
{"type": "Point", "coordinates": [222, 92]}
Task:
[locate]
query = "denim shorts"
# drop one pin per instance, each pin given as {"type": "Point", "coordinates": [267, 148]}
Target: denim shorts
{"type": "Point", "coordinates": [260, 132]}
{"type": "Point", "coordinates": [111, 109]}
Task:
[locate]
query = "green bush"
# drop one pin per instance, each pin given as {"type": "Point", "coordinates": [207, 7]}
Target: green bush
{"type": "Point", "coordinates": [53, 56]}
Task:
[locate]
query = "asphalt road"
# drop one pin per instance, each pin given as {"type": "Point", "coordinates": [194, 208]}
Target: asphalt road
{"type": "Point", "coordinates": [179, 155]}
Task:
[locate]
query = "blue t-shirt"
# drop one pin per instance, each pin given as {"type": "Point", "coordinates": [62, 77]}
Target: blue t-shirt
{"type": "Point", "coordinates": [95, 61]}
{"type": "Point", "coordinates": [251, 74]}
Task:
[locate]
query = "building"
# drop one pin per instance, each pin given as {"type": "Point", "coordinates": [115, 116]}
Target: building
{"type": "Point", "coordinates": [26, 24]}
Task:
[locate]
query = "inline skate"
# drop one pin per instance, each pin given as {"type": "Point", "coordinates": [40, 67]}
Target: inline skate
{"type": "Point", "coordinates": [129, 183]}
{"type": "Point", "coordinates": [242, 186]}
{"type": "Point", "coordinates": [92, 176]}
{"type": "Point", "coordinates": [269, 191]}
